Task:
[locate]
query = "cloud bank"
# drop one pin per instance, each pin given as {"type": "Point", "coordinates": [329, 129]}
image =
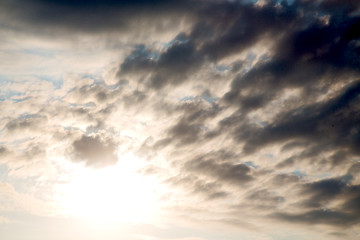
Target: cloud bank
{"type": "Point", "coordinates": [249, 109]}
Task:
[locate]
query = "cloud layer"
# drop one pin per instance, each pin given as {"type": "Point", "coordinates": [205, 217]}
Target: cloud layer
{"type": "Point", "coordinates": [245, 111]}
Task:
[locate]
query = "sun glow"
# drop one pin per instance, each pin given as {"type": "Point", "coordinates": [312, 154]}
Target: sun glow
{"type": "Point", "coordinates": [113, 194]}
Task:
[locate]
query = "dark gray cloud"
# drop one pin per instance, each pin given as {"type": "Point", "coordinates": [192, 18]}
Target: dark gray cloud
{"type": "Point", "coordinates": [320, 217]}
{"type": "Point", "coordinates": [173, 66]}
{"type": "Point", "coordinates": [97, 92]}
{"type": "Point", "coordinates": [322, 192]}
{"type": "Point", "coordinates": [27, 122]}
{"type": "Point", "coordinates": [191, 126]}
{"type": "Point", "coordinates": [136, 98]}
{"type": "Point", "coordinates": [264, 199]}
{"type": "Point", "coordinates": [223, 171]}
{"type": "Point", "coordinates": [223, 29]}
{"type": "Point", "coordinates": [3, 150]}
{"type": "Point", "coordinates": [319, 195]}
{"type": "Point", "coordinates": [95, 151]}
{"type": "Point", "coordinates": [282, 179]}
{"type": "Point", "coordinates": [91, 16]}
{"type": "Point", "coordinates": [332, 123]}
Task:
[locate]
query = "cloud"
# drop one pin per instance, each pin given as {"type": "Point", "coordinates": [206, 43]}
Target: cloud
{"type": "Point", "coordinates": [247, 109]}
{"type": "Point", "coordinates": [211, 190]}
{"type": "Point", "coordinates": [94, 16]}
{"type": "Point", "coordinates": [234, 173]}
{"type": "Point", "coordinates": [328, 122]}
{"type": "Point", "coordinates": [3, 150]}
{"type": "Point", "coordinates": [95, 151]}
{"type": "Point", "coordinates": [25, 123]}
{"type": "Point", "coordinates": [172, 66]}
{"type": "Point", "coordinates": [319, 207]}
{"type": "Point", "coordinates": [323, 191]}
{"type": "Point", "coordinates": [320, 217]}
{"type": "Point", "coordinates": [4, 220]}
{"type": "Point", "coordinates": [14, 201]}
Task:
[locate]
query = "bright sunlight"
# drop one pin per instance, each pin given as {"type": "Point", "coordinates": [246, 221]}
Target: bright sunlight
{"type": "Point", "coordinates": [113, 194]}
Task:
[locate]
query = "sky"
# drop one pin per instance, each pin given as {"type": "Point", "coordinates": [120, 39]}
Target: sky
{"type": "Point", "coordinates": [179, 120]}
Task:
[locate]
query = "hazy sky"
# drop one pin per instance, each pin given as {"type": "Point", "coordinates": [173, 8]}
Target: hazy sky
{"type": "Point", "coordinates": [179, 120]}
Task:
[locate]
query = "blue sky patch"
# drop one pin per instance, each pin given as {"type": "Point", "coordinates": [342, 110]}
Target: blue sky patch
{"type": "Point", "coordinates": [251, 164]}
{"type": "Point", "coordinates": [298, 173]}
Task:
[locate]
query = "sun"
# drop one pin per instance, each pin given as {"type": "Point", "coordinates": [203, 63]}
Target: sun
{"type": "Point", "coordinates": [113, 194]}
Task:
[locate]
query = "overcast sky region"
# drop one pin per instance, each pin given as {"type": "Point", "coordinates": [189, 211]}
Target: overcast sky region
{"type": "Point", "coordinates": [179, 120]}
